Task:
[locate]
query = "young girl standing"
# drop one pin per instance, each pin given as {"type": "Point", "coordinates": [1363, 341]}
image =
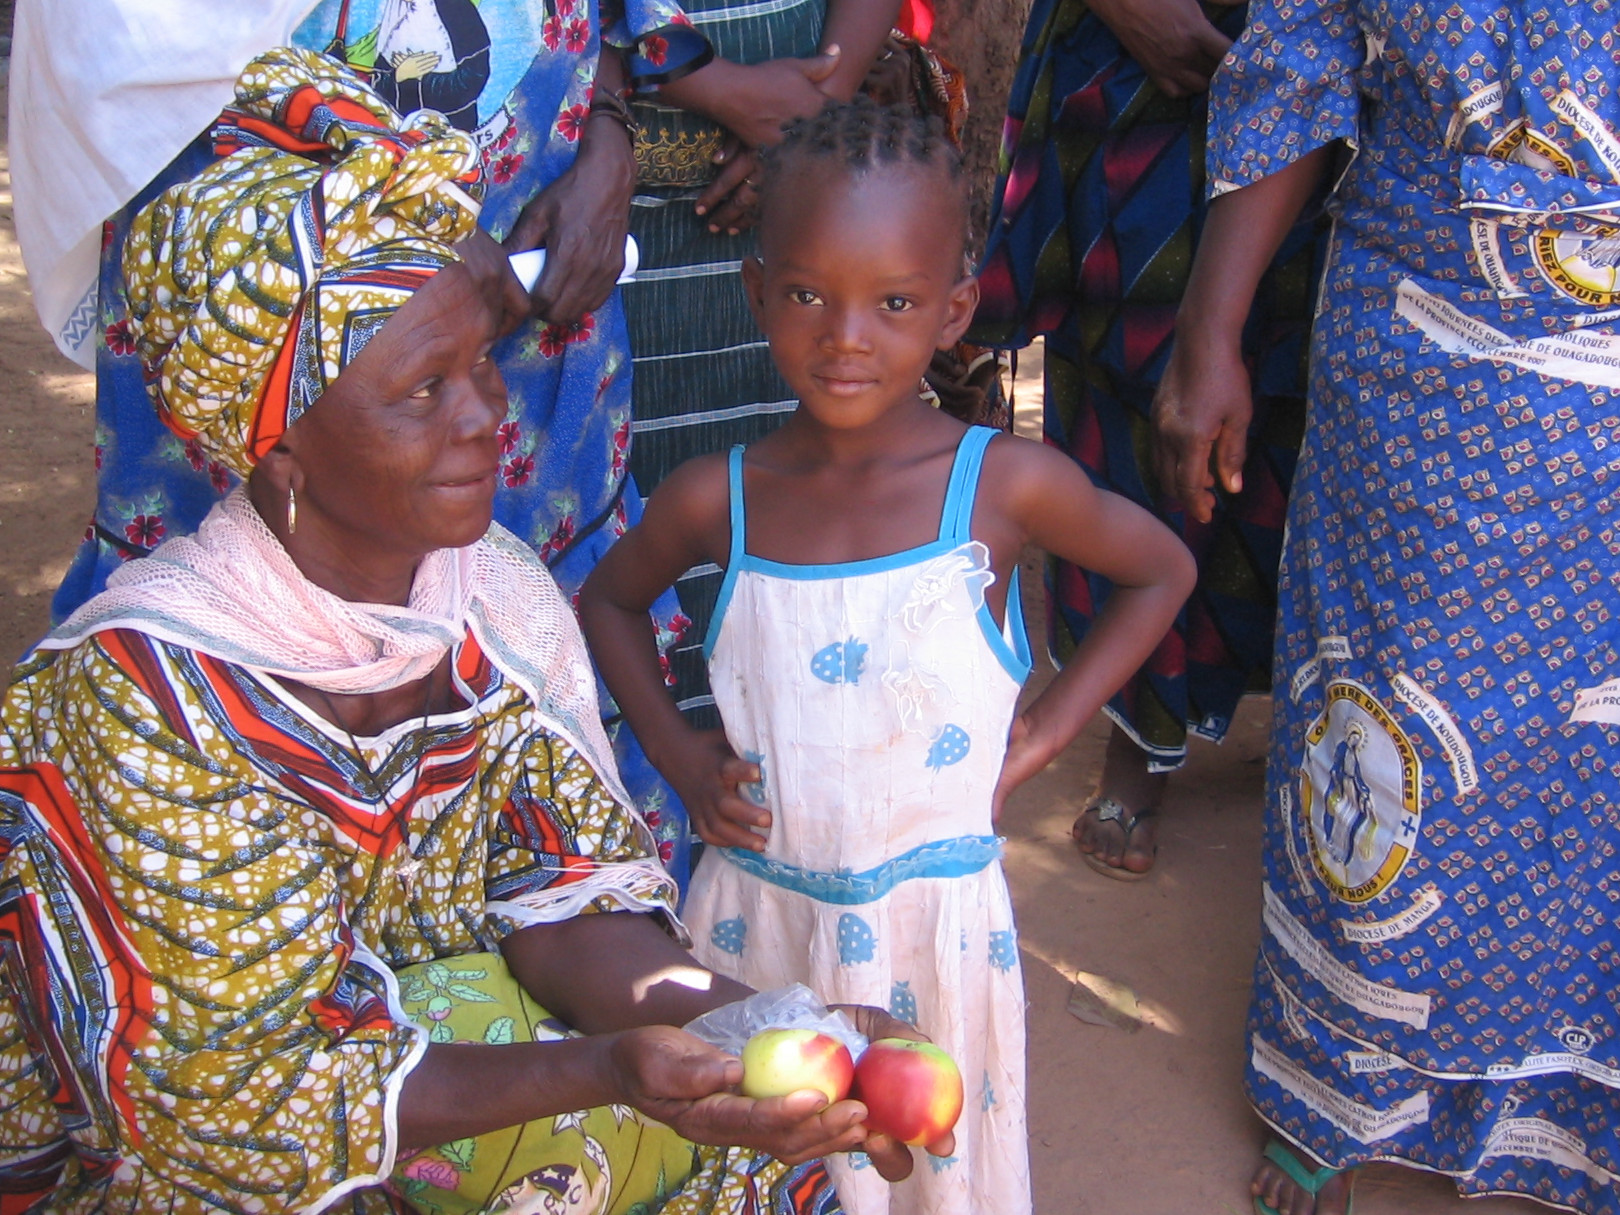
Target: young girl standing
{"type": "Point", "coordinates": [867, 649]}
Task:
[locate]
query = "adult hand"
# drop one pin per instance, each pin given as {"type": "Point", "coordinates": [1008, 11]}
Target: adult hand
{"type": "Point", "coordinates": [706, 775]}
{"type": "Point", "coordinates": [762, 98]}
{"type": "Point", "coordinates": [1202, 407]}
{"type": "Point", "coordinates": [491, 270]}
{"type": "Point", "coordinates": [581, 220]}
{"type": "Point", "coordinates": [755, 101]}
{"type": "Point", "coordinates": [890, 1157]}
{"type": "Point", "coordinates": [734, 193]}
{"type": "Point", "coordinates": [681, 1081]}
{"type": "Point", "coordinates": [1172, 39]}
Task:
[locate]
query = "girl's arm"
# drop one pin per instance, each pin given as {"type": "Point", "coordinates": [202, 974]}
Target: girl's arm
{"type": "Point", "coordinates": [1204, 402]}
{"type": "Point", "coordinates": [686, 523]}
{"type": "Point", "coordinates": [1045, 498]}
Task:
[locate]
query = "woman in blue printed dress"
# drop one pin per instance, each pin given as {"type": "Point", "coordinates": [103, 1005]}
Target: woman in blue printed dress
{"type": "Point", "coordinates": [1436, 984]}
{"type": "Point", "coordinates": [519, 76]}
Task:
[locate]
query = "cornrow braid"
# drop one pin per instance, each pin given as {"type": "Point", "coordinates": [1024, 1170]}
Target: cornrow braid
{"type": "Point", "coordinates": [861, 135]}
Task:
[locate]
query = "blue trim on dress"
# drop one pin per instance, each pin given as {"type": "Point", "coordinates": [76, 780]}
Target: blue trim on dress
{"type": "Point", "coordinates": [1014, 653]}
{"type": "Point", "coordinates": [849, 569]}
{"type": "Point", "coordinates": [739, 548]}
{"type": "Point", "coordinates": [955, 530]}
{"type": "Point", "coordinates": [951, 858]}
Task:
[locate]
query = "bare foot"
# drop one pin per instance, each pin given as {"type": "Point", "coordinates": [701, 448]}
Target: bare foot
{"type": "Point", "coordinates": [1287, 1197]}
{"type": "Point", "coordinates": [1125, 779]}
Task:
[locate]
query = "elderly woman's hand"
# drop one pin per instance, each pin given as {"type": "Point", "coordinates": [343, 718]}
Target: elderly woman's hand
{"type": "Point", "coordinates": [684, 1083]}
{"type": "Point", "coordinates": [581, 220]}
{"type": "Point", "coordinates": [891, 1158]}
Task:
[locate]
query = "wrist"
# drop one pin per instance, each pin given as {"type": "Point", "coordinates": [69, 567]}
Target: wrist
{"type": "Point", "coordinates": [668, 744]}
{"type": "Point", "coordinates": [606, 1078]}
{"type": "Point", "coordinates": [1213, 331]}
{"type": "Point", "coordinates": [607, 148]}
{"type": "Point", "coordinates": [703, 91]}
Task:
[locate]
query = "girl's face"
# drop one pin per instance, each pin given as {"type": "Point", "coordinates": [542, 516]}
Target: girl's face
{"type": "Point", "coordinates": [858, 282]}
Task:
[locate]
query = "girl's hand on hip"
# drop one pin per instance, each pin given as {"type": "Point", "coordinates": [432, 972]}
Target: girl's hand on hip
{"type": "Point", "coordinates": [707, 779]}
{"type": "Point", "coordinates": [1025, 757]}
{"type": "Point", "coordinates": [1202, 408]}
{"type": "Point", "coordinates": [1172, 39]}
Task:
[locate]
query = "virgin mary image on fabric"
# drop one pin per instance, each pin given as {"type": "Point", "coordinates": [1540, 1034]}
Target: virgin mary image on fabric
{"type": "Point", "coordinates": [432, 55]}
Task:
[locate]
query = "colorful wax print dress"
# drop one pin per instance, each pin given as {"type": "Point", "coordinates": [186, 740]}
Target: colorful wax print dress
{"type": "Point", "coordinates": [876, 697]}
{"type": "Point", "coordinates": [1097, 216]}
{"type": "Point", "coordinates": [228, 930]}
{"type": "Point", "coordinates": [1437, 980]}
{"type": "Point", "coordinates": [517, 75]}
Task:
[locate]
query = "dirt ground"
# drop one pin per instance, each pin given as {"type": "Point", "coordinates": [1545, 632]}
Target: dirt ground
{"type": "Point", "coordinates": [1150, 1122]}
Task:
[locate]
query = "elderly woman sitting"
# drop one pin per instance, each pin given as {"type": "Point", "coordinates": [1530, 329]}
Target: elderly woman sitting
{"type": "Point", "coordinates": [317, 887]}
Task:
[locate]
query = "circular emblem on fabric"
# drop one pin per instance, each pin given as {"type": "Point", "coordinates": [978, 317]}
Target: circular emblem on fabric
{"type": "Point", "coordinates": [1360, 792]}
{"type": "Point", "coordinates": [1577, 1039]}
{"type": "Point", "coordinates": [1583, 265]}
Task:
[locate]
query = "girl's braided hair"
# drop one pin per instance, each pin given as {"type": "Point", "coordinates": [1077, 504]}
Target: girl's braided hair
{"type": "Point", "coordinates": [861, 135]}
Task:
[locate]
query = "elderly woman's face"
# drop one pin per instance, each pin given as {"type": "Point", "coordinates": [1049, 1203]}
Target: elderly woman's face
{"type": "Point", "coordinates": [402, 449]}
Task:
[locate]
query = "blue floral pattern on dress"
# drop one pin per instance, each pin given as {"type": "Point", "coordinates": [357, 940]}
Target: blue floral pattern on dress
{"type": "Point", "coordinates": [1003, 949]}
{"type": "Point", "coordinates": [902, 1002]}
{"type": "Point", "coordinates": [840, 662]}
{"type": "Point", "coordinates": [730, 936]}
{"type": "Point", "coordinates": [950, 746]}
{"type": "Point", "coordinates": [856, 941]}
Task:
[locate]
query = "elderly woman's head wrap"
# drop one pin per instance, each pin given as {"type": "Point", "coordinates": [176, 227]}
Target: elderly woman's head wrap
{"type": "Point", "coordinates": [253, 285]}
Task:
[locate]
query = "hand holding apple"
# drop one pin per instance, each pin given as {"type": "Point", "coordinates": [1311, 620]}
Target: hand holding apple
{"type": "Point", "coordinates": [683, 1082]}
{"type": "Point", "coordinates": [912, 1090]}
{"type": "Point", "coordinates": [777, 1062]}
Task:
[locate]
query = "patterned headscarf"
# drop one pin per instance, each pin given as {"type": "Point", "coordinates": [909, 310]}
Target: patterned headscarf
{"type": "Point", "coordinates": [253, 285]}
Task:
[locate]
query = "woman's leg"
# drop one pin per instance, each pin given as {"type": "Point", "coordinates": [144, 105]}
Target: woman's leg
{"type": "Point", "coordinates": [1286, 1195]}
{"type": "Point", "coordinates": [1126, 840]}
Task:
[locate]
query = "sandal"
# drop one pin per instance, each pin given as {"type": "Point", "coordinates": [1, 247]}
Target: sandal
{"type": "Point", "coordinates": [1281, 1155]}
{"type": "Point", "coordinates": [1108, 810]}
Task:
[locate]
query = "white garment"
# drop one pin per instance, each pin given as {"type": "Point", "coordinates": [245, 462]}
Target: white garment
{"type": "Point", "coordinates": [414, 27]}
{"type": "Point", "coordinates": [104, 94]}
{"type": "Point", "coordinates": [876, 697]}
{"type": "Point", "coordinates": [232, 592]}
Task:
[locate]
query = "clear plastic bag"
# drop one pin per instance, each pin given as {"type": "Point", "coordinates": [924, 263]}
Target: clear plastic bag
{"type": "Point", "coordinates": [731, 1025]}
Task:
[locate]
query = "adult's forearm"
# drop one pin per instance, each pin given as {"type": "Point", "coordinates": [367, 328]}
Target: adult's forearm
{"type": "Point", "coordinates": [1242, 234]}
{"type": "Point", "coordinates": [858, 28]}
{"type": "Point", "coordinates": [614, 971]}
{"type": "Point", "coordinates": [461, 1090]}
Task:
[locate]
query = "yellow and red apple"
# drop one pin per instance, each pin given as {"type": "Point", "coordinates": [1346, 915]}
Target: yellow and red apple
{"type": "Point", "coordinates": [911, 1090]}
{"type": "Point", "coordinates": [777, 1062]}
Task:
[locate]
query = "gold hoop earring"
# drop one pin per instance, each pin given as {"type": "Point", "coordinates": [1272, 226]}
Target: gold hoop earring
{"type": "Point", "coordinates": [292, 512]}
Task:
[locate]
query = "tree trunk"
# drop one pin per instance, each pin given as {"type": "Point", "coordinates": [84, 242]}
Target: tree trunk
{"type": "Point", "coordinates": [982, 38]}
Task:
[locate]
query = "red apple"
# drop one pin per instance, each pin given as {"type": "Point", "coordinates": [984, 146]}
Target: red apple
{"type": "Point", "coordinates": [777, 1062]}
{"type": "Point", "coordinates": [911, 1090]}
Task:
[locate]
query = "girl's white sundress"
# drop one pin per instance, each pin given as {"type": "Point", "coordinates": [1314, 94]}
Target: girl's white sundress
{"type": "Point", "coordinates": [876, 697]}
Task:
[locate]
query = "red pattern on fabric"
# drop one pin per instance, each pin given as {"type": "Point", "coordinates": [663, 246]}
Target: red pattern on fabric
{"type": "Point", "coordinates": [119, 964]}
